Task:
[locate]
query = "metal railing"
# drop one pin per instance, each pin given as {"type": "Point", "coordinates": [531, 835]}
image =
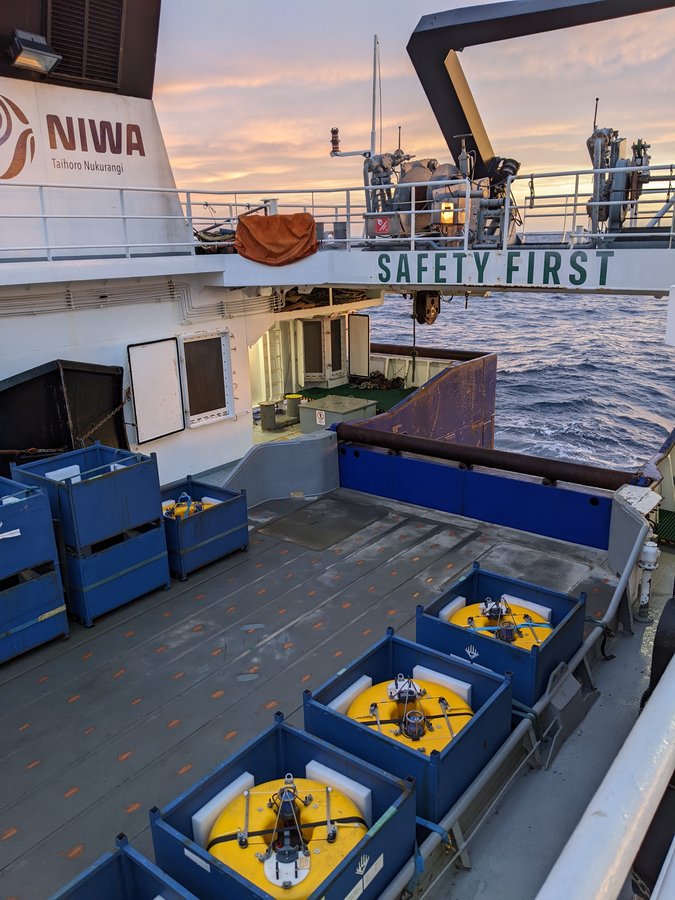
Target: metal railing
{"type": "Point", "coordinates": [59, 221]}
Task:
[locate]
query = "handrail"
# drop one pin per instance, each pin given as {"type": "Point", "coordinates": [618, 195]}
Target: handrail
{"type": "Point", "coordinates": [598, 856]}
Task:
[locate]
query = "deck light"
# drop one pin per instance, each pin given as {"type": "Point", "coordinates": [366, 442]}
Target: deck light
{"type": "Point", "coordinates": [31, 51]}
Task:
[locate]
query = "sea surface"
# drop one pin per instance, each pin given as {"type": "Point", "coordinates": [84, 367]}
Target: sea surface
{"type": "Point", "coordinates": [580, 377]}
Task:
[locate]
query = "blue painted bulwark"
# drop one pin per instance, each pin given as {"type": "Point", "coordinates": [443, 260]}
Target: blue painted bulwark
{"type": "Point", "coordinates": [123, 875]}
{"type": "Point", "coordinates": [530, 669]}
{"type": "Point", "coordinates": [108, 525]}
{"type": "Point", "coordinates": [271, 755]}
{"type": "Point", "coordinates": [581, 517]}
{"type": "Point", "coordinates": [440, 778]}
{"type": "Point", "coordinates": [210, 534]}
{"type": "Point", "coordinates": [32, 609]}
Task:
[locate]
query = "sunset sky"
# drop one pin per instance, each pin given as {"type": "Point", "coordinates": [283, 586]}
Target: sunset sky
{"type": "Point", "coordinates": [246, 93]}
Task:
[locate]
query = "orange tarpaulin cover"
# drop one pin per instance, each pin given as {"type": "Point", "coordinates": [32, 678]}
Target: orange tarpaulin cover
{"type": "Point", "coordinates": [276, 240]}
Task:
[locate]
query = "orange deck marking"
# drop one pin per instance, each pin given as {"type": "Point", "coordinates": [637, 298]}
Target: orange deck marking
{"type": "Point", "coordinates": [119, 673]}
{"type": "Point", "coordinates": [132, 808]}
{"type": "Point", "coordinates": [185, 768]}
{"type": "Point", "coordinates": [281, 611]}
{"type": "Point", "coordinates": [305, 678]}
{"type": "Point", "coordinates": [338, 653]}
{"type": "Point", "coordinates": [123, 757]}
{"type": "Point", "coordinates": [360, 562]}
{"type": "Point", "coordinates": [136, 701]}
{"type": "Point", "coordinates": [43, 678]}
{"type": "Point", "coordinates": [87, 655]}
{"type": "Point", "coordinates": [271, 704]}
{"type": "Point", "coordinates": [167, 614]}
{"type": "Point", "coordinates": [173, 723]}
{"type": "Point", "coordinates": [258, 565]}
{"type": "Point", "coordinates": [391, 612]}
{"type": "Point", "coordinates": [161, 649]}
{"type": "Point", "coordinates": [415, 595]}
{"type": "Point", "coordinates": [216, 651]}
{"type": "Point", "coordinates": [346, 605]}
{"type": "Point", "coordinates": [394, 572]}
{"type": "Point", "coordinates": [311, 593]}
{"type": "Point", "coordinates": [216, 695]}
{"type": "Point", "coordinates": [9, 833]}
{"type": "Point", "coordinates": [450, 566]}
{"type": "Point", "coordinates": [200, 596]}
{"type": "Point", "coordinates": [288, 645]}
{"type": "Point", "coordinates": [198, 628]}
{"type": "Point", "coordinates": [319, 624]}
{"type": "Point", "coordinates": [290, 575]}
{"type": "Point", "coordinates": [231, 580]}
{"type": "Point", "coordinates": [90, 730]}
{"type": "Point", "coordinates": [337, 577]}
{"type": "Point", "coordinates": [229, 735]}
{"type": "Point", "coordinates": [261, 591]}
{"type": "Point", "coordinates": [231, 609]}
{"type": "Point", "coordinates": [253, 670]}
{"type": "Point", "coordinates": [32, 765]}
{"type": "Point", "coordinates": [366, 631]}
{"type": "Point", "coordinates": [428, 580]}
{"type": "Point", "coordinates": [75, 851]}
{"type": "Point", "coordinates": [129, 633]}
{"type": "Point", "coordinates": [283, 552]}
{"type": "Point", "coordinates": [71, 792]}
{"type": "Point", "coordinates": [415, 559]}
{"type": "Point", "coordinates": [371, 589]}
{"type": "Point", "coordinates": [24, 726]}
{"type": "Point", "coordinates": [74, 698]}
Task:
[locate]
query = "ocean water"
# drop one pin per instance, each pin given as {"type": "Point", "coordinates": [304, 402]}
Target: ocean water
{"type": "Point", "coordinates": [580, 377]}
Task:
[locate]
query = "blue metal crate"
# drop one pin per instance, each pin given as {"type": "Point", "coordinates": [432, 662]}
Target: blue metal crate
{"type": "Point", "coordinates": [110, 491]}
{"type": "Point", "coordinates": [32, 609]}
{"type": "Point", "coordinates": [530, 669]}
{"type": "Point", "coordinates": [209, 534]}
{"type": "Point", "coordinates": [115, 575]}
{"type": "Point", "coordinates": [440, 778]}
{"type": "Point", "coordinates": [123, 875]}
{"type": "Point", "coordinates": [364, 872]}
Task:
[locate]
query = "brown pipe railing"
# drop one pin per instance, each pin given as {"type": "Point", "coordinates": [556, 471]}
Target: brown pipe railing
{"type": "Point", "coordinates": [540, 467]}
{"type": "Point", "coordinates": [427, 352]}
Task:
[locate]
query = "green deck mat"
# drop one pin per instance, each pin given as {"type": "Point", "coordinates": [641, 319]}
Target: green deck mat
{"type": "Point", "coordinates": [665, 529]}
{"type": "Point", "coordinates": [384, 399]}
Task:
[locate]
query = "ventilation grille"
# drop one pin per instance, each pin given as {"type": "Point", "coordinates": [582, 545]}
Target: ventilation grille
{"type": "Point", "coordinates": [87, 33]}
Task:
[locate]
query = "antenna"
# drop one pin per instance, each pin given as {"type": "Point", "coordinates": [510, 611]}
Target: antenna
{"type": "Point", "coordinates": [595, 114]}
{"type": "Point", "coordinates": [399, 137]}
{"type": "Point", "coordinates": [376, 47]}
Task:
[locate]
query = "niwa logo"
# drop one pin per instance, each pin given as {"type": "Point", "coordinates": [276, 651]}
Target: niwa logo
{"type": "Point", "coordinates": [17, 135]}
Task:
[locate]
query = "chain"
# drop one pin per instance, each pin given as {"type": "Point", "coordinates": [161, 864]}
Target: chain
{"type": "Point", "coordinates": [643, 891]}
{"type": "Point", "coordinates": [80, 440]}
{"type": "Point", "coordinates": [33, 451]}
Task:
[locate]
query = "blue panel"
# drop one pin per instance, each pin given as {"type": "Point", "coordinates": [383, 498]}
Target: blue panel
{"type": "Point", "coordinates": [578, 515]}
{"type": "Point", "coordinates": [123, 875]}
{"type": "Point", "coordinates": [530, 669]}
{"type": "Point", "coordinates": [208, 535]}
{"type": "Point", "coordinates": [271, 755]}
{"type": "Point", "coordinates": [442, 777]}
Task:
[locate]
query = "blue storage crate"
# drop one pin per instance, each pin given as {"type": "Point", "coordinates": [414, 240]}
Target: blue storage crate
{"type": "Point", "coordinates": [206, 535]}
{"type": "Point", "coordinates": [32, 610]}
{"type": "Point", "coordinates": [530, 669]}
{"type": "Point", "coordinates": [440, 777]}
{"type": "Point", "coordinates": [123, 875]}
{"type": "Point", "coordinates": [102, 492]}
{"type": "Point", "coordinates": [135, 565]}
{"type": "Point", "coordinates": [364, 872]}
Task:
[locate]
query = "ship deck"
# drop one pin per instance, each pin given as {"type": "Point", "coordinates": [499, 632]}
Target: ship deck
{"type": "Point", "coordinates": [126, 715]}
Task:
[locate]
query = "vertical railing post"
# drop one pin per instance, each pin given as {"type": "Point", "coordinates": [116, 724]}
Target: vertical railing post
{"type": "Point", "coordinates": [188, 218]}
{"type": "Point", "coordinates": [576, 203]}
{"type": "Point", "coordinates": [467, 211]}
{"type": "Point", "coordinates": [348, 210]}
{"type": "Point", "coordinates": [125, 232]}
{"type": "Point", "coordinates": [45, 223]}
{"type": "Point", "coordinates": [507, 213]}
{"type": "Point", "coordinates": [413, 211]}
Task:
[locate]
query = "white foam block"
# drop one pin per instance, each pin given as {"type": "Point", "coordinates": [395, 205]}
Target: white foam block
{"type": "Point", "coordinates": [72, 472]}
{"type": "Point", "coordinates": [542, 611]}
{"type": "Point", "coordinates": [211, 500]}
{"type": "Point", "coordinates": [344, 700]}
{"type": "Point", "coordinates": [462, 688]}
{"type": "Point", "coordinates": [9, 499]}
{"type": "Point", "coordinates": [357, 792]}
{"type": "Point", "coordinates": [204, 819]}
{"type": "Point", "coordinates": [451, 608]}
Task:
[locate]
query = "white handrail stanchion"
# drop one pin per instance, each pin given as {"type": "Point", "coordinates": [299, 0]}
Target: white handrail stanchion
{"type": "Point", "coordinates": [597, 858]}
